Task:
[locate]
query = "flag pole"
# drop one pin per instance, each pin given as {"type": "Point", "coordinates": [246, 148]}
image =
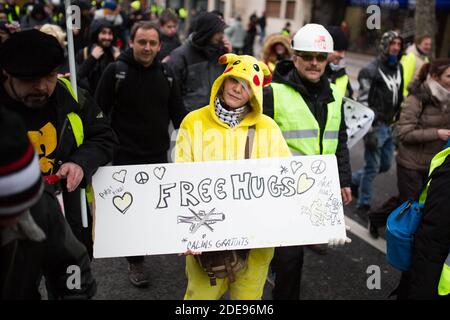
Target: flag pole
{"type": "Point", "coordinates": [73, 82]}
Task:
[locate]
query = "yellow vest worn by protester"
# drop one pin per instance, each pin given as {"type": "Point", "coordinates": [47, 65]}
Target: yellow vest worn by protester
{"type": "Point", "coordinates": [299, 126]}
{"type": "Point", "coordinates": [444, 282]}
{"type": "Point", "coordinates": [408, 62]}
{"type": "Point", "coordinates": [341, 84]}
{"type": "Point", "coordinates": [78, 132]}
{"type": "Point", "coordinates": [16, 8]}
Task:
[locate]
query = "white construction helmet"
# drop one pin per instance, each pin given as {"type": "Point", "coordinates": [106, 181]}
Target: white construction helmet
{"type": "Point", "coordinates": [314, 38]}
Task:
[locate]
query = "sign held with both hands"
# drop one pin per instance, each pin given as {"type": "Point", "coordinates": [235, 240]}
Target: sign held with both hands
{"type": "Point", "coordinates": [218, 205]}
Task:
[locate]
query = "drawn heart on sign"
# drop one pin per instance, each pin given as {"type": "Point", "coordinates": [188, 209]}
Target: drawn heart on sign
{"type": "Point", "coordinates": [304, 183]}
{"type": "Point", "coordinates": [120, 176]}
{"type": "Point", "coordinates": [123, 203]}
{"type": "Point", "coordinates": [295, 166]}
{"type": "Point", "coordinates": [159, 172]}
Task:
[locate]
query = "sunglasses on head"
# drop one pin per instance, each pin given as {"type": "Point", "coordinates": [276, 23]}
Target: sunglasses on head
{"type": "Point", "coordinates": [309, 56]}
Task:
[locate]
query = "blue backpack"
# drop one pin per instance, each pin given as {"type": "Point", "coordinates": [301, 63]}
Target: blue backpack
{"type": "Point", "coordinates": [401, 226]}
{"type": "Point", "coordinates": [404, 221]}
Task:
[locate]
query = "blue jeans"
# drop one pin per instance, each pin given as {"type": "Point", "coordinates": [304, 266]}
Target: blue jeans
{"type": "Point", "coordinates": [378, 153]}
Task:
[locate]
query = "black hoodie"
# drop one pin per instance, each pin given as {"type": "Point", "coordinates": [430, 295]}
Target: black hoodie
{"type": "Point", "coordinates": [316, 96]}
{"type": "Point", "coordinates": [90, 70]}
{"type": "Point", "coordinates": [143, 105]}
{"type": "Point", "coordinates": [196, 68]}
{"type": "Point", "coordinates": [195, 63]}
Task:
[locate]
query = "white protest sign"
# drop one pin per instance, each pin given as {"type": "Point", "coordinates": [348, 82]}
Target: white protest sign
{"type": "Point", "coordinates": [216, 205]}
{"type": "Point", "coordinates": [358, 119]}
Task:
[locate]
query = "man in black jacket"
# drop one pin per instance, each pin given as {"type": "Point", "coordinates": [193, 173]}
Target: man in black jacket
{"type": "Point", "coordinates": [71, 138]}
{"type": "Point", "coordinates": [140, 97]}
{"type": "Point", "coordinates": [381, 89]}
{"type": "Point", "coordinates": [195, 64]}
{"type": "Point", "coordinates": [93, 59]}
{"type": "Point", "coordinates": [168, 22]}
{"type": "Point", "coordinates": [309, 112]}
{"type": "Point", "coordinates": [35, 239]}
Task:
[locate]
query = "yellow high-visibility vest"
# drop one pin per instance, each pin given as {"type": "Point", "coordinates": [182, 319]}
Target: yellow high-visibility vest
{"type": "Point", "coordinates": [299, 126]}
{"type": "Point", "coordinates": [409, 67]}
{"type": "Point", "coordinates": [444, 282]}
{"type": "Point", "coordinates": [78, 132]}
{"type": "Point", "coordinates": [341, 84]}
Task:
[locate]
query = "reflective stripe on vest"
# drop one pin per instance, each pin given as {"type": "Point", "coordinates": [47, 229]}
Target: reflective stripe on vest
{"type": "Point", "coordinates": [444, 282]}
{"type": "Point", "coordinates": [409, 64]}
{"type": "Point", "coordinates": [300, 129]}
{"type": "Point", "coordinates": [341, 84]}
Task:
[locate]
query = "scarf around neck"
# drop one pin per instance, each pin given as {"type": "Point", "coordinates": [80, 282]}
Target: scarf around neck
{"type": "Point", "coordinates": [439, 92]}
{"type": "Point", "coordinates": [230, 117]}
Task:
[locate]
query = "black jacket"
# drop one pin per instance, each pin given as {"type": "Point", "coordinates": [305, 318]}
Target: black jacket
{"type": "Point", "coordinates": [196, 68]}
{"type": "Point", "coordinates": [140, 109]}
{"type": "Point", "coordinates": [317, 101]}
{"type": "Point", "coordinates": [383, 96]}
{"type": "Point", "coordinates": [89, 69]}
{"type": "Point", "coordinates": [23, 262]}
{"type": "Point", "coordinates": [431, 241]}
{"type": "Point", "coordinates": [168, 44]}
{"type": "Point", "coordinates": [96, 150]}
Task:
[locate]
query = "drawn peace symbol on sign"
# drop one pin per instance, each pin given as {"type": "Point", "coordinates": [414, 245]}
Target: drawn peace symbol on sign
{"type": "Point", "coordinates": [141, 178]}
{"type": "Point", "coordinates": [318, 166]}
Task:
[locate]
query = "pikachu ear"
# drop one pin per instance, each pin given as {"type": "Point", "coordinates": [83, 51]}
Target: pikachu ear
{"type": "Point", "coordinates": [266, 72]}
{"type": "Point", "coordinates": [228, 58]}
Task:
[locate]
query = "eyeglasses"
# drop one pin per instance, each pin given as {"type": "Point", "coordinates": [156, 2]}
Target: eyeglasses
{"type": "Point", "coordinates": [308, 57]}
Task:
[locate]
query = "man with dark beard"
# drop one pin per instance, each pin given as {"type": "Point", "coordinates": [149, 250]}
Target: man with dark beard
{"type": "Point", "coordinates": [195, 65]}
{"type": "Point", "coordinates": [93, 59]}
{"type": "Point", "coordinates": [71, 137]}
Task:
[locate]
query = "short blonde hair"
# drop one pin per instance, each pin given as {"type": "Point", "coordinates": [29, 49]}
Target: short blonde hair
{"type": "Point", "coordinates": [55, 31]}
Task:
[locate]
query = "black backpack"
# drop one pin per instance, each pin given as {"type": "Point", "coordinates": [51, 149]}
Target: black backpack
{"type": "Point", "coordinates": [121, 71]}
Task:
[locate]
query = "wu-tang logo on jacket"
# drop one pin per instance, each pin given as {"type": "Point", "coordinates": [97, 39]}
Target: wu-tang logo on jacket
{"type": "Point", "coordinates": [44, 142]}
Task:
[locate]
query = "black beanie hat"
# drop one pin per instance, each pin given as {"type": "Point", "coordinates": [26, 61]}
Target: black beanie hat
{"type": "Point", "coordinates": [31, 54]}
{"type": "Point", "coordinates": [340, 41]}
{"type": "Point", "coordinates": [20, 177]}
{"type": "Point", "coordinates": [206, 25]}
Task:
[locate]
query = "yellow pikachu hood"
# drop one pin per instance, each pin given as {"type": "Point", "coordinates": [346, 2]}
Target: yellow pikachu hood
{"type": "Point", "coordinates": [248, 68]}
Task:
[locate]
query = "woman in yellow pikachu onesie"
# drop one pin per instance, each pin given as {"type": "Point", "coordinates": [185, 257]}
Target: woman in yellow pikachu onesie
{"type": "Point", "coordinates": [219, 132]}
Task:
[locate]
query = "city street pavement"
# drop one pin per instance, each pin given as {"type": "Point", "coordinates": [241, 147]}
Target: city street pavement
{"type": "Point", "coordinates": [343, 273]}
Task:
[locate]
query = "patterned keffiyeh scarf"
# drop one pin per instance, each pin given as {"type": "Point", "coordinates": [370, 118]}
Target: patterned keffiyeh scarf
{"type": "Point", "coordinates": [230, 117]}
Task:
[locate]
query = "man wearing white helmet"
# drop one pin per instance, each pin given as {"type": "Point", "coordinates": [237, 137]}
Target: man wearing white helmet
{"type": "Point", "coordinates": [308, 109]}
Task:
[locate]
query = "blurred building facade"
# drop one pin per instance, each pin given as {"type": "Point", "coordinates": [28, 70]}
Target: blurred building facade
{"type": "Point", "coordinates": [395, 14]}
